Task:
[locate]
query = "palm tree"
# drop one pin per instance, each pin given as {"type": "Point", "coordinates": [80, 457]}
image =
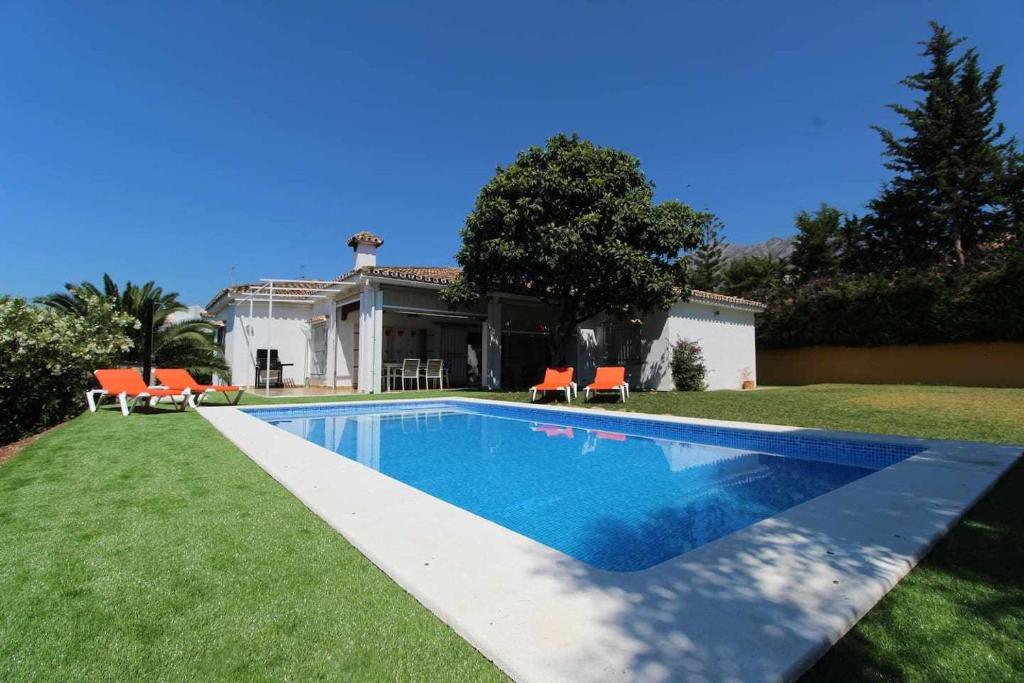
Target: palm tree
{"type": "Point", "coordinates": [188, 343]}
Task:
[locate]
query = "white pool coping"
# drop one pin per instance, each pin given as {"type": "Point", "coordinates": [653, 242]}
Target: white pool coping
{"type": "Point", "coordinates": [761, 604]}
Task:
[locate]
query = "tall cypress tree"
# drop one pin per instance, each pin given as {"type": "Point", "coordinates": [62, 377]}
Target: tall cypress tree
{"type": "Point", "coordinates": [817, 243]}
{"type": "Point", "coordinates": [1013, 192]}
{"type": "Point", "coordinates": [948, 192]}
{"type": "Point", "coordinates": [708, 258]}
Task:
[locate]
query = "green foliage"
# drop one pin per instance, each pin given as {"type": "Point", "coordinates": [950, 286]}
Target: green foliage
{"type": "Point", "coordinates": [151, 549]}
{"type": "Point", "coordinates": [186, 344]}
{"type": "Point", "coordinates": [707, 260]}
{"type": "Point", "coordinates": [1013, 193]}
{"type": "Point", "coordinates": [688, 369]}
{"type": "Point", "coordinates": [754, 277]}
{"type": "Point", "coordinates": [575, 225]}
{"type": "Point", "coordinates": [939, 256]}
{"type": "Point", "coordinates": [948, 195]}
{"type": "Point", "coordinates": [990, 301]}
{"type": "Point", "coordinates": [910, 307]}
{"type": "Point", "coordinates": [869, 311]}
{"type": "Point", "coordinates": [47, 359]}
{"type": "Point", "coordinates": [817, 243]}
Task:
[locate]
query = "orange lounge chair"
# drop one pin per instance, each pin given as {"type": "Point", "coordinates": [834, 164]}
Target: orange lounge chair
{"type": "Point", "coordinates": [609, 378]}
{"type": "Point", "coordinates": [178, 378]}
{"type": "Point", "coordinates": [555, 379]}
{"type": "Point", "coordinates": [128, 384]}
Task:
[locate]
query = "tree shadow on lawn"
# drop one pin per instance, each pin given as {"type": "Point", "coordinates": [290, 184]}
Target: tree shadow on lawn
{"type": "Point", "coordinates": [148, 411]}
{"type": "Point", "coordinates": [976, 570]}
{"type": "Point", "coordinates": [771, 599]}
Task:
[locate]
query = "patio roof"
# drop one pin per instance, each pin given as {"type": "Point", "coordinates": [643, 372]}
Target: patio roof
{"type": "Point", "coordinates": [309, 291]}
{"type": "Point", "coordinates": [284, 290]}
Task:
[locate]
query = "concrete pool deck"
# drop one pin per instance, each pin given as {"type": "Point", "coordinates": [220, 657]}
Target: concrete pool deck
{"type": "Point", "coordinates": [762, 603]}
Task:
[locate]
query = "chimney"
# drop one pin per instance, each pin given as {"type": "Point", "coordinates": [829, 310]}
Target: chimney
{"type": "Point", "coordinates": [365, 244]}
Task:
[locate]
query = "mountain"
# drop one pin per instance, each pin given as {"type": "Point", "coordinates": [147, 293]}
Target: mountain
{"type": "Point", "coordinates": [776, 246]}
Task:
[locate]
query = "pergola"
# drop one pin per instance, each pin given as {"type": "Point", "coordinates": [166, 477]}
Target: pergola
{"type": "Point", "coordinates": [282, 290]}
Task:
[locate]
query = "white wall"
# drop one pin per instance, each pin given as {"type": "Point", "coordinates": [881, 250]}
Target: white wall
{"type": "Point", "coordinates": [226, 315]}
{"type": "Point", "coordinates": [290, 336]}
{"type": "Point", "coordinates": [725, 335]}
{"type": "Point", "coordinates": [345, 349]}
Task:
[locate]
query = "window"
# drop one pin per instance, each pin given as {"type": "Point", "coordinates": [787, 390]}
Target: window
{"type": "Point", "coordinates": [318, 344]}
{"type": "Point", "coordinates": [625, 343]}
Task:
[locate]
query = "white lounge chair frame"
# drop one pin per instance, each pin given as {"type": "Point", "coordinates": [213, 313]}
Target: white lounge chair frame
{"type": "Point", "coordinates": [94, 397]}
{"type": "Point", "coordinates": [570, 390]}
{"type": "Point", "coordinates": [195, 400]}
{"type": "Point", "coordinates": [623, 390]}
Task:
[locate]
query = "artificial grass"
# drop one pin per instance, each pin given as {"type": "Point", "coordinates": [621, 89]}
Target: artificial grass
{"type": "Point", "coordinates": [958, 616]}
{"type": "Point", "coordinates": [963, 413]}
{"type": "Point", "coordinates": [150, 547]}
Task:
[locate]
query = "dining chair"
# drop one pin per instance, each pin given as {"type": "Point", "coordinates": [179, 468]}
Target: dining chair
{"type": "Point", "coordinates": [434, 370]}
{"type": "Point", "coordinates": [411, 371]}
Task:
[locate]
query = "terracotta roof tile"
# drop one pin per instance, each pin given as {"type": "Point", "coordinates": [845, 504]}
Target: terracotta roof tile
{"type": "Point", "coordinates": [437, 274]}
{"type": "Point", "coordinates": [714, 297]}
{"type": "Point", "coordinates": [443, 275]}
{"type": "Point", "coordinates": [365, 237]}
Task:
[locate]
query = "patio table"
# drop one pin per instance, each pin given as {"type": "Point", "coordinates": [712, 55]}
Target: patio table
{"type": "Point", "coordinates": [391, 372]}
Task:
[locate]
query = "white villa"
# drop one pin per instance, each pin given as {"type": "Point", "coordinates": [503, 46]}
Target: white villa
{"type": "Point", "coordinates": [347, 332]}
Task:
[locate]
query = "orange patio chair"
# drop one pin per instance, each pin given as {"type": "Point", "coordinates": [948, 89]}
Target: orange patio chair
{"type": "Point", "coordinates": [608, 378]}
{"type": "Point", "coordinates": [178, 378]}
{"type": "Point", "coordinates": [128, 384]}
{"type": "Point", "coordinates": [555, 379]}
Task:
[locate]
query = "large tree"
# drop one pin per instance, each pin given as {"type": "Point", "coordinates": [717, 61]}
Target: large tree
{"type": "Point", "coordinates": [948, 193]}
{"type": "Point", "coordinates": [817, 243]}
{"type": "Point", "coordinates": [182, 343]}
{"type": "Point", "coordinates": [755, 277]}
{"type": "Point", "coordinates": [708, 259]}
{"type": "Point", "coordinates": [576, 226]}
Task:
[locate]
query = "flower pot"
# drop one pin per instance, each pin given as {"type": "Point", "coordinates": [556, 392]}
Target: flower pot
{"type": "Point", "coordinates": [748, 384]}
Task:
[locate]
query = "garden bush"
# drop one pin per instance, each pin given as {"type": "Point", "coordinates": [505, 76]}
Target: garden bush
{"type": "Point", "coordinates": [688, 369]}
{"type": "Point", "coordinates": [984, 303]}
{"type": "Point", "coordinates": [47, 359]}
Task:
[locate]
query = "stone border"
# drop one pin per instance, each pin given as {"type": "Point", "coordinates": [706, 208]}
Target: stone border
{"type": "Point", "coordinates": [763, 603]}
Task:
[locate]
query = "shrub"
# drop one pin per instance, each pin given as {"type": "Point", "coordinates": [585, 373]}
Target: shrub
{"type": "Point", "coordinates": [688, 369]}
{"type": "Point", "coordinates": [910, 307]}
{"type": "Point", "coordinates": [47, 359]}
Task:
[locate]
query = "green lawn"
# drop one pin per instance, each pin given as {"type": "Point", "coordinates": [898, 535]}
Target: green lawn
{"type": "Point", "coordinates": [150, 547]}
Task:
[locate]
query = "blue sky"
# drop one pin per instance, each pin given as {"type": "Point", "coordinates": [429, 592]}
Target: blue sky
{"type": "Point", "coordinates": [199, 143]}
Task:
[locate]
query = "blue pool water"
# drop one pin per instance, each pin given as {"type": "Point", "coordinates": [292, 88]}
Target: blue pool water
{"type": "Point", "coordinates": [618, 493]}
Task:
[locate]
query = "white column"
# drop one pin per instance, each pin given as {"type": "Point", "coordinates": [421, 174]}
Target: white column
{"type": "Point", "coordinates": [378, 340]}
{"type": "Point", "coordinates": [331, 363]}
{"type": "Point", "coordinates": [371, 323]}
{"type": "Point", "coordinates": [270, 320]}
{"type": "Point", "coordinates": [485, 363]}
{"type": "Point", "coordinates": [492, 345]}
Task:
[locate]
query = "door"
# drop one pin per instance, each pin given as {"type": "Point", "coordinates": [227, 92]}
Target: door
{"type": "Point", "coordinates": [346, 349]}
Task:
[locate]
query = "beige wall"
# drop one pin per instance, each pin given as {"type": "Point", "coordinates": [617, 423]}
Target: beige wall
{"type": "Point", "coordinates": [993, 364]}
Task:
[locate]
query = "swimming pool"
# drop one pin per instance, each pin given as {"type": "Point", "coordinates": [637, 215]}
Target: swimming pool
{"type": "Point", "coordinates": [619, 493]}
